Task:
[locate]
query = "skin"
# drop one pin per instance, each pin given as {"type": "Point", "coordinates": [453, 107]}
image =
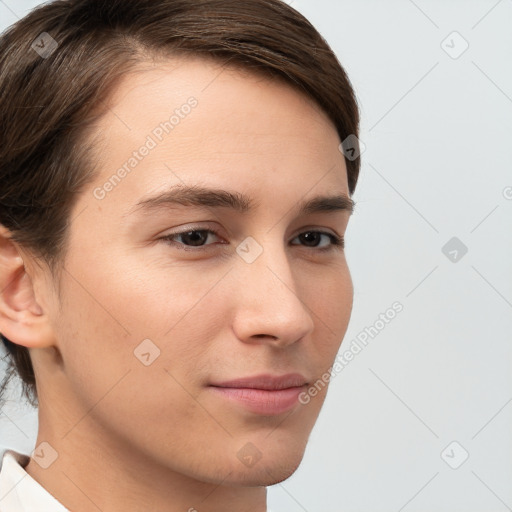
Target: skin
{"type": "Point", "coordinates": [135, 437]}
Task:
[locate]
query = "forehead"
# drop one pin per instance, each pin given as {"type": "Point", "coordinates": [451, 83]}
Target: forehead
{"type": "Point", "coordinates": [156, 89]}
{"type": "Point", "coordinates": [202, 122]}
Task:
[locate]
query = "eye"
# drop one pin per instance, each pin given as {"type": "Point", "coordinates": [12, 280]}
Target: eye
{"type": "Point", "coordinates": [313, 239]}
{"type": "Point", "coordinates": [190, 238]}
{"type": "Point", "coordinates": [194, 239]}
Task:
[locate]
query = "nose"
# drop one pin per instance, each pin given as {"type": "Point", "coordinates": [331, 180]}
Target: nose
{"type": "Point", "coordinates": [269, 306]}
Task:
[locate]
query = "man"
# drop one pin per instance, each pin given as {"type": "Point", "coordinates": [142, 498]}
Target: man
{"type": "Point", "coordinates": [172, 266]}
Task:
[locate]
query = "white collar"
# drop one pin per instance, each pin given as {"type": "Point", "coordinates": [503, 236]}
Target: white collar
{"type": "Point", "coordinates": [19, 492]}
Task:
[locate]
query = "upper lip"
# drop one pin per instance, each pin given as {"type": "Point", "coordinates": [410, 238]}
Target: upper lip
{"type": "Point", "coordinates": [266, 381]}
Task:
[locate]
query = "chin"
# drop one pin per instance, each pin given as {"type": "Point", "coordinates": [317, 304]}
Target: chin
{"type": "Point", "coordinates": [267, 471]}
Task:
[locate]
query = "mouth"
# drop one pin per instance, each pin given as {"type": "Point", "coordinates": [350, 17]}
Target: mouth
{"type": "Point", "coordinates": [263, 394]}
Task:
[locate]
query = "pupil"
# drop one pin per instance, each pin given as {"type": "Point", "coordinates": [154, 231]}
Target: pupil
{"type": "Point", "coordinates": [195, 240]}
{"type": "Point", "coordinates": [311, 237]}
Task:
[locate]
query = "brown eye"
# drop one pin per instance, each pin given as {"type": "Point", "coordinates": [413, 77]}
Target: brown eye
{"type": "Point", "coordinates": [189, 238]}
{"type": "Point", "coordinates": [313, 239]}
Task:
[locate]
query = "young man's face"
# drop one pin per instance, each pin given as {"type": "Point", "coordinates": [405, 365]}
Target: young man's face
{"type": "Point", "coordinates": [147, 326]}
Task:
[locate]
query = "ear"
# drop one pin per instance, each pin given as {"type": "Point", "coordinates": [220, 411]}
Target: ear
{"type": "Point", "coordinates": [22, 319]}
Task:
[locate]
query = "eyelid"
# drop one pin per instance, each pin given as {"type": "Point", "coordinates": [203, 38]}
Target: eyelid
{"type": "Point", "coordinates": [303, 229]}
{"type": "Point", "coordinates": [192, 227]}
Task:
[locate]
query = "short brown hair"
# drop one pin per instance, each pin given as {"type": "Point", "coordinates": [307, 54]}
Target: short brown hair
{"type": "Point", "coordinates": [58, 63]}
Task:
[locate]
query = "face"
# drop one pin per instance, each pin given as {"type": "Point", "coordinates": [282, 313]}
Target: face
{"type": "Point", "coordinates": [166, 303]}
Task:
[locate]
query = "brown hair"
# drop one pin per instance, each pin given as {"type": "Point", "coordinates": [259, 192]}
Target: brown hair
{"type": "Point", "coordinates": [58, 63]}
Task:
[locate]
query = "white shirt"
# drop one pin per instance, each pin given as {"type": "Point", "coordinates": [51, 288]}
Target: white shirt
{"type": "Point", "coordinates": [19, 492]}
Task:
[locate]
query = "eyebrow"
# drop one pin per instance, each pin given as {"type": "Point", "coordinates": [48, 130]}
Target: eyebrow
{"type": "Point", "coordinates": [220, 198]}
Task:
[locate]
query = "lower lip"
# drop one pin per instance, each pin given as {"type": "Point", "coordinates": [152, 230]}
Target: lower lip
{"type": "Point", "coordinates": [261, 401]}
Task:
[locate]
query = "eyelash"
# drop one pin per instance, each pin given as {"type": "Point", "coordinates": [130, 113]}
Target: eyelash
{"type": "Point", "coordinates": [337, 242]}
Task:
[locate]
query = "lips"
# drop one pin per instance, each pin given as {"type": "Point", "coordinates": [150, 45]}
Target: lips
{"type": "Point", "coordinates": [266, 382]}
{"type": "Point", "coordinates": [262, 394]}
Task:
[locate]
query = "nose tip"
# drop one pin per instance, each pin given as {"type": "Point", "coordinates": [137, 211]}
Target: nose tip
{"type": "Point", "coordinates": [269, 309]}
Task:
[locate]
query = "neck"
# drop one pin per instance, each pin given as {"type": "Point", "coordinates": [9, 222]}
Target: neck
{"type": "Point", "coordinates": [95, 472]}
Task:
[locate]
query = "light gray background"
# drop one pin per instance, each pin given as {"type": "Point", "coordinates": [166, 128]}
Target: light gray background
{"type": "Point", "coordinates": [437, 165]}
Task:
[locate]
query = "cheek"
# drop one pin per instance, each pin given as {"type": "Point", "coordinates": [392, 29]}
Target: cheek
{"type": "Point", "coordinates": [115, 385]}
{"type": "Point", "coordinates": [95, 348]}
{"type": "Point", "coordinates": [331, 305]}
{"type": "Point", "coordinates": [153, 297]}
{"type": "Point", "coordinates": [169, 315]}
{"type": "Point", "coordinates": [331, 301]}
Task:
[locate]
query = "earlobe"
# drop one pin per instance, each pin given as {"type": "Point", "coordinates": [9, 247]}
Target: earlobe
{"type": "Point", "coordinates": [22, 319]}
